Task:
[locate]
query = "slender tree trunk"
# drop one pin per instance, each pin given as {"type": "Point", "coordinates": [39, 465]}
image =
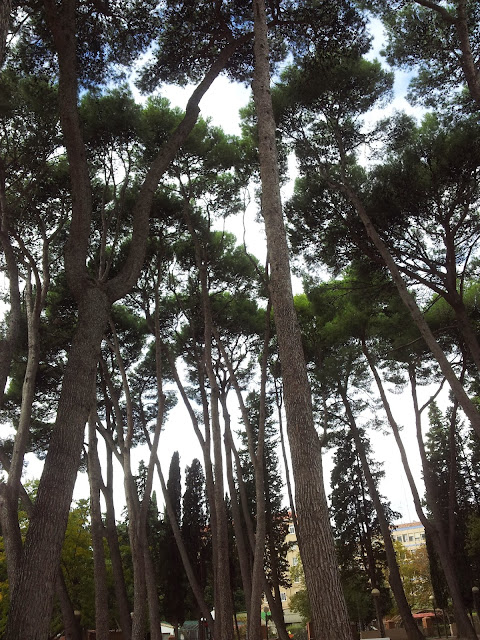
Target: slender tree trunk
{"type": "Point", "coordinates": [330, 617]}
{"type": "Point", "coordinates": [470, 70]}
{"type": "Point", "coordinates": [115, 556]}
{"type": "Point", "coordinates": [100, 571]}
{"type": "Point", "coordinates": [5, 8]}
{"type": "Point", "coordinates": [274, 604]}
{"type": "Point", "coordinates": [9, 512]}
{"type": "Point", "coordinates": [223, 596]}
{"type": "Point", "coordinates": [464, 625]}
{"type": "Point", "coordinates": [436, 529]}
{"type": "Point", "coordinates": [243, 547]}
{"type": "Point", "coordinates": [278, 401]}
{"type": "Point", "coordinates": [9, 343]}
{"type": "Point", "coordinates": [257, 458]}
{"type": "Point", "coordinates": [138, 542]}
{"type": "Point", "coordinates": [152, 594]}
{"type": "Point", "coordinates": [72, 628]}
{"type": "Point", "coordinates": [34, 304]}
{"type": "Point", "coordinates": [417, 316]}
{"type": "Point", "coordinates": [413, 632]}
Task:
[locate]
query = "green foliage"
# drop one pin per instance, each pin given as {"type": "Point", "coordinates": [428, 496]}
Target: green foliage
{"type": "Point", "coordinates": [447, 447]}
{"type": "Point", "coordinates": [194, 33]}
{"type": "Point", "coordinates": [422, 40]}
{"type": "Point", "coordinates": [77, 562]}
{"type": "Point", "coordinates": [359, 541]}
{"type": "Point", "coordinates": [110, 38]}
{"type": "Point", "coordinates": [414, 569]}
{"type": "Point", "coordinates": [299, 601]}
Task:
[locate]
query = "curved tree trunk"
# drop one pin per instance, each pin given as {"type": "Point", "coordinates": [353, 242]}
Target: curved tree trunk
{"type": "Point", "coordinates": [416, 314]}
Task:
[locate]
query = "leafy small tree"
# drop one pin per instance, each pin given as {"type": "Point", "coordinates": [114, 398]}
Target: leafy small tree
{"type": "Point", "coordinates": [415, 571]}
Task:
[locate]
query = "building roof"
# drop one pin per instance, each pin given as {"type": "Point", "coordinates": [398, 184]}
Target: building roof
{"type": "Point", "coordinates": [407, 525]}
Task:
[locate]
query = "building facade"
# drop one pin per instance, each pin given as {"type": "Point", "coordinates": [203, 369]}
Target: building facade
{"type": "Point", "coordinates": [410, 534]}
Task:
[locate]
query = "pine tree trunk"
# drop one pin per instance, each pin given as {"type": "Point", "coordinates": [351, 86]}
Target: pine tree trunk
{"type": "Point", "coordinates": [416, 314]}
{"type": "Point", "coordinates": [115, 556]}
{"type": "Point", "coordinates": [330, 617]}
{"type": "Point", "coordinates": [5, 8]}
{"type": "Point", "coordinates": [34, 299]}
{"type": "Point", "coordinates": [467, 60]}
{"type": "Point", "coordinates": [9, 343]}
{"type": "Point", "coordinates": [242, 544]}
{"type": "Point", "coordinates": [100, 571]}
{"type": "Point", "coordinates": [152, 594]}
{"type": "Point", "coordinates": [71, 623]}
{"type": "Point", "coordinates": [37, 572]}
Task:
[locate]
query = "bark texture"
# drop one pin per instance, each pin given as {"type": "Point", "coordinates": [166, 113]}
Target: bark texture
{"type": "Point", "coordinates": [5, 8]}
{"type": "Point", "coordinates": [38, 567]}
{"type": "Point", "coordinates": [315, 538]}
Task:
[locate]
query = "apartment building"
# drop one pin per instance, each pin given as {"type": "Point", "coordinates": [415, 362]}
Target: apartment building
{"type": "Point", "coordinates": [410, 534]}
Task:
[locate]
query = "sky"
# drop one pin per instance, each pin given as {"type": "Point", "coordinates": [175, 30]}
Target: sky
{"type": "Point", "coordinates": [221, 104]}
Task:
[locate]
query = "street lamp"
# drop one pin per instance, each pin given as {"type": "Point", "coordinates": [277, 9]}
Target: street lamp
{"type": "Point", "coordinates": [376, 600]}
{"type": "Point", "coordinates": [432, 600]}
{"type": "Point", "coordinates": [475, 591]}
{"type": "Point", "coordinates": [266, 611]}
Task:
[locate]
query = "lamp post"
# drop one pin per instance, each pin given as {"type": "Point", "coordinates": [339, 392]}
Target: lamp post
{"type": "Point", "coordinates": [432, 600]}
{"type": "Point", "coordinates": [77, 614]}
{"type": "Point", "coordinates": [475, 591]}
{"type": "Point", "coordinates": [376, 600]}
{"type": "Point", "coordinates": [266, 611]}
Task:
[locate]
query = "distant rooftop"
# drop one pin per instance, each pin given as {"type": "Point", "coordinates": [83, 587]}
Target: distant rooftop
{"type": "Point", "coordinates": [408, 525]}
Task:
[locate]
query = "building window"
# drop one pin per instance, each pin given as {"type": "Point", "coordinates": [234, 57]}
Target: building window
{"type": "Point", "coordinates": [404, 537]}
{"type": "Point", "coordinates": [399, 538]}
{"type": "Point", "coordinates": [295, 561]}
{"type": "Point", "coordinates": [283, 596]}
{"type": "Point", "coordinates": [291, 528]}
{"type": "Point", "coordinates": [423, 536]}
{"type": "Point", "coordinates": [410, 537]}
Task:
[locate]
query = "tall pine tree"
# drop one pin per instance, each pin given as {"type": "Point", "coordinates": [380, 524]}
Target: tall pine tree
{"type": "Point", "coordinates": [195, 532]}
